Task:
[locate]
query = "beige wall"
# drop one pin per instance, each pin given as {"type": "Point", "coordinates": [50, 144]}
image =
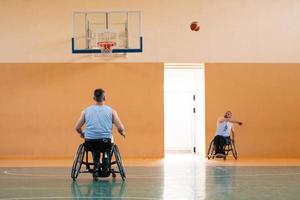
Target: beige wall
{"type": "Point", "coordinates": [232, 31]}
{"type": "Point", "coordinates": [40, 104]}
{"type": "Point", "coordinates": [265, 97]}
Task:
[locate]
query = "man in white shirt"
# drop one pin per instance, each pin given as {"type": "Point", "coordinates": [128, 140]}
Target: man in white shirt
{"type": "Point", "coordinates": [224, 129]}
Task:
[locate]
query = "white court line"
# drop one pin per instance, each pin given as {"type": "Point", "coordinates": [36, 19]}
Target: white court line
{"type": "Point", "coordinates": [249, 175]}
{"type": "Point", "coordinates": [158, 177]}
{"type": "Point", "coordinates": [7, 172]}
{"type": "Point", "coordinates": [221, 168]}
{"type": "Point", "coordinates": [100, 197]}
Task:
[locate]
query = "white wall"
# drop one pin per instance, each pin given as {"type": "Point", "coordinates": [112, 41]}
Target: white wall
{"type": "Point", "coordinates": [231, 30]}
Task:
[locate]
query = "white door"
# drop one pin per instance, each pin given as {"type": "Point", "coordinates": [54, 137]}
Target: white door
{"type": "Point", "coordinates": [179, 120]}
{"type": "Point", "coordinates": [182, 88]}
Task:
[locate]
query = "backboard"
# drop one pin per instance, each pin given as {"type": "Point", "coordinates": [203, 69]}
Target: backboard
{"type": "Point", "coordinates": [123, 28]}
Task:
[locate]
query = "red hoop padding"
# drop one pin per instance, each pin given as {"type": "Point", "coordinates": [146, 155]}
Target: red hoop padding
{"type": "Point", "coordinates": [106, 45]}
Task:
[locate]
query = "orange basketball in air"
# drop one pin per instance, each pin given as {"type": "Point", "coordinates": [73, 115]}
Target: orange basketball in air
{"type": "Point", "coordinates": [195, 26]}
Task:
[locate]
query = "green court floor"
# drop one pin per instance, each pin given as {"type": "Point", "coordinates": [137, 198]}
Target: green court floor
{"type": "Point", "coordinates": [177, 179]}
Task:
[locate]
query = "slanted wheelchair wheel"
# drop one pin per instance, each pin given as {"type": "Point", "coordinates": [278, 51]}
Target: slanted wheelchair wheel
{"type": "Point", "coordinates": [234, 151]}
{"type": "Point", "coordinates": [210, 150]}
{"type": "Point", "coordinates": [113, 173]}
{"type": "Point", "coordinates": [77, 162]}
{"type": "Point", "coordinates": [119, 162]}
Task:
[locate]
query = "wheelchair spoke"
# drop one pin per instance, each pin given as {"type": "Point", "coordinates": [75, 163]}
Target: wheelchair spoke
{"type": "Point", "coordinates": [119, 162]}
{"type": "Point", "coordinates": [210, 150]}
{"type": "Point", "coordinates": [77, 162]}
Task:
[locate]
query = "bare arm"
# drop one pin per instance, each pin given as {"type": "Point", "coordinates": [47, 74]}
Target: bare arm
{"type": "Point", "coordinates": [80, 123]}
{"type": "Point", "coordinates": [118, 123]}
{"type": "Point", "coordinates": [230, 120]}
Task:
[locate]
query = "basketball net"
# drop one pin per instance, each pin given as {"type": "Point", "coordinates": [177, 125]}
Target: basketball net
{"type": "Point", "coordinates": [106, 47]}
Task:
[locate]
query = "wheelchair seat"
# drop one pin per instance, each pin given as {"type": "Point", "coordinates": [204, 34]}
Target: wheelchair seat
{"type": "Point", "coordinates": [82, 158]}
{"type": "Point", "coordinates": [229, 149]}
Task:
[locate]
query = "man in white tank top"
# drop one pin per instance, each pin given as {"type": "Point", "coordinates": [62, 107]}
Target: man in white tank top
{"type": "Point", "coordinates": [224, 129]}
{"type": "Point", "coordinates": [99, 120]}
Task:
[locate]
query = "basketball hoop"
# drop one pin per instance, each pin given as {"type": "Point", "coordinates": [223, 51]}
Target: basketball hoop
{"type": "Point", "coordinates": [106, 46]}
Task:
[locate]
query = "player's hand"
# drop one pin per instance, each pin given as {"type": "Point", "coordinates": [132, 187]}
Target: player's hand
{"type": "Point", "coordinates": [82, 135]}
{"type": "Point", "coordinates": [123, 134]}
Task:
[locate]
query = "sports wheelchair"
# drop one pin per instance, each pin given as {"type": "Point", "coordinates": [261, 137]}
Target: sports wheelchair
{"type": "Point", "coordinates": [229, 149]}
{"type": "Point", "coordinates": [82, 158]}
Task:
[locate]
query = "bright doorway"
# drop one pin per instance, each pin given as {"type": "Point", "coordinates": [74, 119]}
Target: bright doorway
{"type": "Point", "coordinates": [184, 108]}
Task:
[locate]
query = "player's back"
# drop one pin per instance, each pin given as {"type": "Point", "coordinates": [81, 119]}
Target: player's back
{"type": "Point", "coordinates": [98, 122]}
